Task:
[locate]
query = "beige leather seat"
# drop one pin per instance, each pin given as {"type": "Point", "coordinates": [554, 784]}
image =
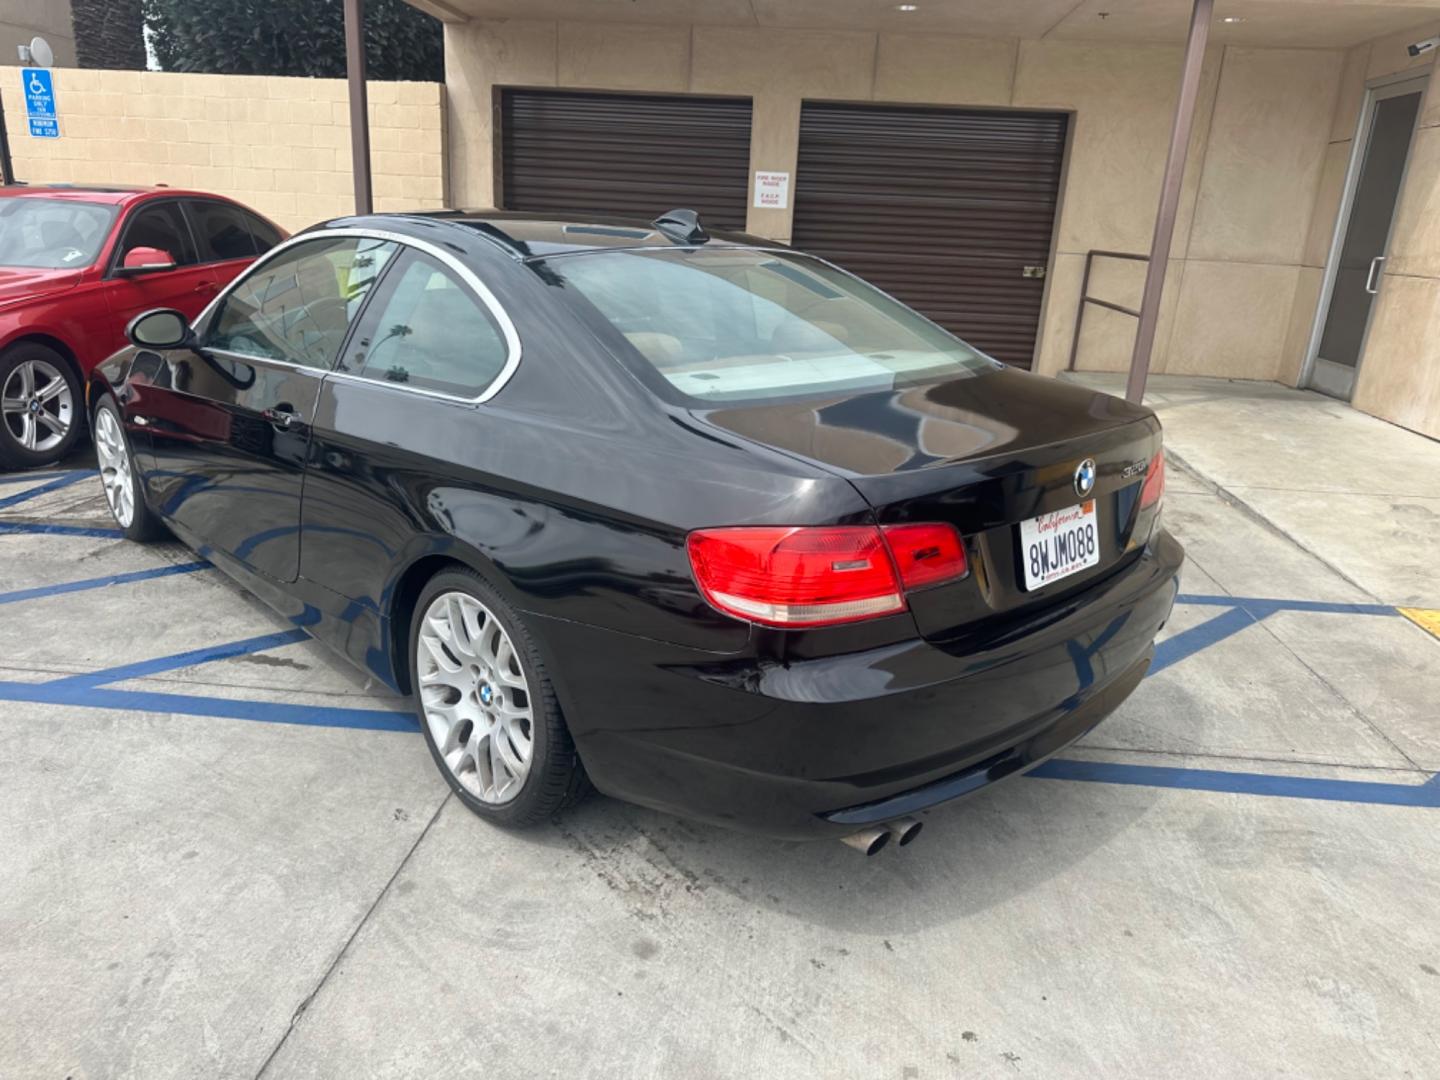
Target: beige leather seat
{"type": "Point", "coordinates": [662, 350]}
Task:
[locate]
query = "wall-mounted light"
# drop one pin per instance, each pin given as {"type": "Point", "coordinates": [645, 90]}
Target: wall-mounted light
{"type": "Point", "coordinates": [907, 7]}
{"type": "Point", "coordinates": [1232, 19]}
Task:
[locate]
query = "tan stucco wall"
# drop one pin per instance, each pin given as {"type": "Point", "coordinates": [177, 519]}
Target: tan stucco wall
{"type": "Point", "coordinates": [1257, 155]}
{"type": "Point", "coordinates": [22, 20]}
{"type": "Point", "coordinates": [1399, 376]}
{"type": "Point", "coordinates": [280, 145]}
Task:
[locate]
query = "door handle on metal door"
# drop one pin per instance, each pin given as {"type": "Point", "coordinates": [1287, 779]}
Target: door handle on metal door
{"type": "Point", "coordinates": [282, 416]}
{"type": "Point", "coordinates": [1372, 284]}
{"type": "Point", "coordinates": [204, 286]}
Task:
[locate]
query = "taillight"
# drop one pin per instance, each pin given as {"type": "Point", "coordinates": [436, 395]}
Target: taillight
{"type": "Point", "coordinates": [925, 554]}
{"type": "Point", "coordinates": [820, 576]}
{"type": "Point", "coordinates": [1154, 482]}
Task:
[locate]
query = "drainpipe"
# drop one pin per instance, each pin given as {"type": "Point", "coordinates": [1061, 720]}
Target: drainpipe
{"type": "Point", "coordinates": [359, 108]}
{"type": "Point", "coordinates": [1200, 16]}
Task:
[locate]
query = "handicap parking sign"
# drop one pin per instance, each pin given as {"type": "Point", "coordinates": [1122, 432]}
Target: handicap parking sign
{"type": "Point", "coordinates": [39, 87]}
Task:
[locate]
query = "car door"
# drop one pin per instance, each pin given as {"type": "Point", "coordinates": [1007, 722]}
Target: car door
{"type": "Point", "coordinates": [187, 286]}
{"type": "Point", "coordinates": [229, 420]}
{"type": "Point", "coordinates": [430, 345]}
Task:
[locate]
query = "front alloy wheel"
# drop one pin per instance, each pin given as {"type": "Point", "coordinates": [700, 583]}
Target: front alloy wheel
{"type": "Point", "coordinates": [114, 460]}
{"type": "Point", "coordinates": [487, 706]}
{"type": "Point", "coordinates": [38, 399]}
{"type": "Point", "coordinates": [118, 477]}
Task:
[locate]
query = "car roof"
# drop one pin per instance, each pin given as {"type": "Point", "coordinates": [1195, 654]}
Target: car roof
{"type": "Point", "coordinates": [114, 194]}
{"type": "Point", "coordinates": [528, 235]}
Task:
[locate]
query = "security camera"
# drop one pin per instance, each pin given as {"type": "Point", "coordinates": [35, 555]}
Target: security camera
{"type": "Point", "coordinates": [1420, 48]}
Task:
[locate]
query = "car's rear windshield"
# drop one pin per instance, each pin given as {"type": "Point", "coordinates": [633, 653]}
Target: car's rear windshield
{"type": "Point", "coordinates": [732, 324]}
{"type": "Point", "coordinates": [52, 234]}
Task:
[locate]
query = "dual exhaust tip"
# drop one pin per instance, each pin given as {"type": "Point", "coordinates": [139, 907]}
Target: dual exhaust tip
{"type": "Point", "coordinates": [872, 840]}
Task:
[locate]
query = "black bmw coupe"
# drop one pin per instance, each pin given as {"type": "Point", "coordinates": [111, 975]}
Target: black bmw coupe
{"type": "Point", "coordinates": [699, 519]}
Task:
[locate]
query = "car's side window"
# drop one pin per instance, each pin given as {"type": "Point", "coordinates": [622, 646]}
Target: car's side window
{"type": "Point", "coordinates": [428, 330]}
{"type": "Point", "coordinates": [266, 235]}
{"type": "Point", "coordinates": [162, 227]}
{"type": "Point", "coordinates": [298, 306]}
{"type": "Point", "coordinates": [221, 231]}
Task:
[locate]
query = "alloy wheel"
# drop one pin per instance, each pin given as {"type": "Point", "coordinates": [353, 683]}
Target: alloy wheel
{"type": "Point", "coordinates": [475, 697]}
{"type": "Point", "coordinates": [36, 405]}
{"type": "Point", "coordinates": [114, 461]}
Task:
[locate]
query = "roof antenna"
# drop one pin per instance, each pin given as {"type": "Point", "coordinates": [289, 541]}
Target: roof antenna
{"type": "Point", "coordinates": [682, 226]}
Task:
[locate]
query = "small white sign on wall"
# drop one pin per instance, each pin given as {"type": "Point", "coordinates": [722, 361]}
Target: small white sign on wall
{"type": "Point", "coordinates": [772, 190]}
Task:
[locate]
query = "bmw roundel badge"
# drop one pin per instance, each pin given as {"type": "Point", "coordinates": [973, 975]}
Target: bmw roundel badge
{"type": "Point", "coordinates": [1085, 474]}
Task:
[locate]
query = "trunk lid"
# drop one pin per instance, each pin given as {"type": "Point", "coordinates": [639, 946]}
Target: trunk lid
{"type": "Point", "coordinates": [983, 453]}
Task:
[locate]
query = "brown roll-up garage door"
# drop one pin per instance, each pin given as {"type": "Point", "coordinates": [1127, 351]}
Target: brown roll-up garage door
{"type": "Point", "coordinates": [943, 208]}
{"type": "Point", "coordinates": [634, 155]}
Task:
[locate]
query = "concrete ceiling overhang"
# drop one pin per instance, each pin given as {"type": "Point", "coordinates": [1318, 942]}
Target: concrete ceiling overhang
{"type": "Point", "coordinates": [1293, 23]}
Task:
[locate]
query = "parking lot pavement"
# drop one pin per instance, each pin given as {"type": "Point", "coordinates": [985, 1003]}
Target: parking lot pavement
{"type": "Point", "coordinates": [226, 855]}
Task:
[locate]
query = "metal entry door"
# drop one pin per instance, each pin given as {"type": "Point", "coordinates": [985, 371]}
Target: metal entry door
{"type": "Point", "coordinates": [950, 210]}
{"type": "Point", "coordinates": [1357, 263]}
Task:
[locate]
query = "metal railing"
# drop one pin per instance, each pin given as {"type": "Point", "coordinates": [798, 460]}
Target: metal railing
{"type": "Point", "coordinates": [1086, 298]}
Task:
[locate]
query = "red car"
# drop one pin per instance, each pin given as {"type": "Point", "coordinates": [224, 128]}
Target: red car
{"type": "Point", "coordinates": [76, 265]}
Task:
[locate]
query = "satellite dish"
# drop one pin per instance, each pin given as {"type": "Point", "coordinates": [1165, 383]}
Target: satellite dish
{"type": "Point", "coordinates": [41, 53]}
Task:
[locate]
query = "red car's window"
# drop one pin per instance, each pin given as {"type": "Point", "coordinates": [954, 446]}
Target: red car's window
{"type": "Point", "coordinates": [52, 234]}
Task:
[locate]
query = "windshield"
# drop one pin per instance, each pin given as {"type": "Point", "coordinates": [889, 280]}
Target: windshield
{"type": "Point", "coordinates": [734, 324]}
{"type": "Point", "coordinates": [52, 234]}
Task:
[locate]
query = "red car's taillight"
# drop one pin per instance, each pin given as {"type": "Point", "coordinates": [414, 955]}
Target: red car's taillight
{"type": "Point", "coordinates": [820, 576]}
{"type": "Point", "coordinates": [1154, 487]}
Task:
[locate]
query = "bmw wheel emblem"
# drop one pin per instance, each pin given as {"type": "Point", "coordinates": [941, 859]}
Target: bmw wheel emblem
{"type": "Point", "coordinates": [487, 695]}
{"type": "Point", "coordinates": [1085, 474]}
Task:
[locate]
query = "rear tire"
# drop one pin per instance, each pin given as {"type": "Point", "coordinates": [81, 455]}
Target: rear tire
{"type": "Point", "coordinates": [486, 704]}
{"type": "Point", "coordinates": [41, 410]}
{"type": "Point", "coordinates": [119, 477]}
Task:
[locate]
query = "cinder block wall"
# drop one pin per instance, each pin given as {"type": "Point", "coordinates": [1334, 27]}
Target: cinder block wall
{"type": "Point", "coordinates": [281, 145]}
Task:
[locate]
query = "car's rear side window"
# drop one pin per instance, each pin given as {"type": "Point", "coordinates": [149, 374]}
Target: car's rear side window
{"type": "Point", "coordinates": [427, 330]}
{"type": "Point", "coordinates": [266, 235]}
{"type": "Point", "coordinates": [739, 323]}
{"type": "Point", "coordinates": [221, 231]}
{"type": "Point", "coordinates": [298, 306]}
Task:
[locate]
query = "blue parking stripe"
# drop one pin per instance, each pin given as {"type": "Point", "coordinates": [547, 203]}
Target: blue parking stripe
{"type": "Point", "coordinates": [1188, 642]}
{"type": "Point", "coordinates": [44, 489]}
{"type": "Point", "coordinates": [1268, 605]}
{"type": "Point", "coordinates": [45, 529]}
{"type": "Point", "coordinates": [1426, 794]}
{"type": "Point", "coordinates": [100, 582]}
{"type": "Point", "coordinates": [173, 662]}
{"type": "Point", "coordinates": [63, 692]}
{"type": "Point", "coordinates": [31, 477]}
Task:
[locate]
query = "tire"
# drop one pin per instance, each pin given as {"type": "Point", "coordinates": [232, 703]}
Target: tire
{"type": "Point", "coordinates": [479, 703]}
{"type": "Point", "coordinates": [119, 478]}
{"type": "Point", "coordinates": [42, 411]}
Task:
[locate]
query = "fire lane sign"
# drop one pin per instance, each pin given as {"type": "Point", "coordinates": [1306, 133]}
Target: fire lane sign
{"type": "Point", "coordinates": [39, 87]}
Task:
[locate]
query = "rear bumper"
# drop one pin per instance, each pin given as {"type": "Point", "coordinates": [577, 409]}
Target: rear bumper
{"type": "Point", "coordinates": [819, 747]}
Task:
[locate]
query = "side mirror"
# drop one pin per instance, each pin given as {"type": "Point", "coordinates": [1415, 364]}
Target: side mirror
{"type": "Point", "coordinates": [146, 260]}
{"type": "Point", "coordinates": [163, 328]}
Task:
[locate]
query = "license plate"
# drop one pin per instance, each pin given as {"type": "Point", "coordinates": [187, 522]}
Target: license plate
{"type": "Point", "coordinates": [1058, 544]}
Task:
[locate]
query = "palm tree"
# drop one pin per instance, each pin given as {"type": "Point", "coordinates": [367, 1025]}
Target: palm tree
{"type": "Point", "coordinates": [109, 33]}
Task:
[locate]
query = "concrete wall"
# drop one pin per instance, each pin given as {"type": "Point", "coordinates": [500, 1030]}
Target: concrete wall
{"type": "Point", "coordinates": [280, 145]}
{"type": "Point", "coordinates": [21, 20]}
{"type": "Point", "coordinates": [1257, 155]}
{"type": "Point", "coordinates": [1399, 376]}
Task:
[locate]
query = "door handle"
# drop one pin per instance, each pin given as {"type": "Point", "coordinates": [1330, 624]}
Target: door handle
{"type": "Point", "coordinates": [1372, 283]}
{"type": "Point", "coordinates": [282, 416]}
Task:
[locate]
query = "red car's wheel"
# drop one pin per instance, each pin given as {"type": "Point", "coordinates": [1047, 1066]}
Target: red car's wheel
{"type": "Point", "coordinates": [40, 406]}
